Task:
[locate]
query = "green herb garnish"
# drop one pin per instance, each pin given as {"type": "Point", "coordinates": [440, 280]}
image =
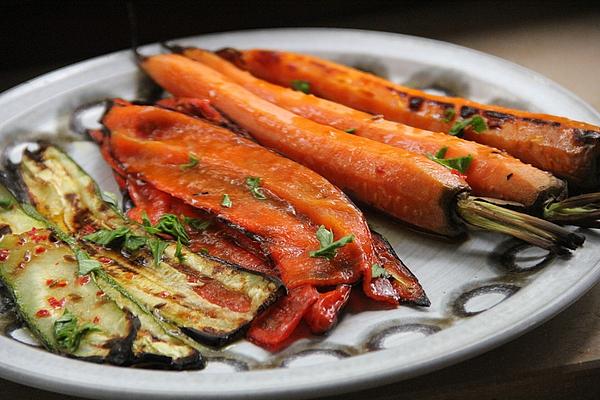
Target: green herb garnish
{"type": "Point", "coordinates": [449, 114]}
{"type": "Point", "coordinates": [253, 184]}
{"type": "Point", "coordinates": [196, 224]}
{"type": "Point", "coordinates": [477, 123]}
{"type": "Point", "coordinates": [178, 252]}
{"type": "Point", "coordinates": [68, 333]}
{"type": "Point", "coordinates": [377, 271]}
{"type": "Point", "coordinates": [157, 247]}
{"type": "Point", "coordinates": [461, 164]}
{"type": "Point", "coordinates": [110, 198]}
{"type": "Point", "coordinates": [226, 201]}
{"type": "Point", "coordinates": [6, 203]}
{"type": "Point", "coordinates": [328, 246]}
{"type": "Point", "coordinates": [191, 164]}
{"type": "Point", "coordinates": [105, 237]}
{"type": "Point", "coordinates": [85, 263]}
{"type": "Point", "coordinates": [301, 86]}
{"type": "Point", "coordinates": [169, 224]}
{"type": "Point", "coordinates": [133, 243]}
{"type": "Point", "coordinates": [351, 130]}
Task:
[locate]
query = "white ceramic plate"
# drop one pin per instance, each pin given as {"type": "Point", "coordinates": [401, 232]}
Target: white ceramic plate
{"type": "Point", "coordinates": [477, 303]}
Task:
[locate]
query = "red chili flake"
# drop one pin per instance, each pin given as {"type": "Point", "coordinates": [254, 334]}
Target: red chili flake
{"type": "Point", "coordinates": [83, 280]}
{"type": "Point", "coordinates": [40, 250]}
{"type": "Point", "coordinates": [129, 275]}
{"type": "Point", "coordinates": [164, 294]}
{"type": "Point", "coordinates": [458, 173]}
{"type": "Point", "coordinates": [192, 279]}
{"type": "Point", "coordinates": [96, 319]}
{"type": "Point", "coordinates": [104, 260]}
{"type": "Point", "coordinates": [52, 283]}
{"type": "Point", "coordinates": [99, 293]}
{"type": "Point", "coordinates": [4, 253]}
{"type": "Point", "coordinates": [42, 313]}
{"type": "Point", "coordinates": [56, 303]}
{"type": "Point", "coordinates": [87, 229]}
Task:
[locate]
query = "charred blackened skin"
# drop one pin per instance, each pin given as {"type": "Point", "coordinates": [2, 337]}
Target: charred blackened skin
{"type": "Point", "coordinates": [498, 115]}
{"type": "Point", "coordinates": [415, 103]}
{"type": "Point", "coordinates": [121, 350]}
{"type": "Point", "coordinates": [467, 111]}
{"type": "Point", "coordinates": [586, 136]}
{"type": "Point", "coordinates": [509, 176]}
{"type": "Point", "coordinates": [232, 55]}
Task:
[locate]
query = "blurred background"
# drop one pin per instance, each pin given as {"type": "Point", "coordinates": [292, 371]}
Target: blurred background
{"type": "Point", "coordinates": [560, 39]}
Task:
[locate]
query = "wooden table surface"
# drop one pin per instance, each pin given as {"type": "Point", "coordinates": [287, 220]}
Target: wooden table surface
{"type": "Point", "coordinates": [561, 358]}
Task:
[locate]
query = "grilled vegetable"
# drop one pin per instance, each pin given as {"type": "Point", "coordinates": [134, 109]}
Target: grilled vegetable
{"type": "Point", "coordinates": [210, 300]}
{"type": "Point", "coordinates": [46, 289]}
{"type": "Point", "coordinates": [285, 220]}
{"type": "Point", "coordinates": [569, 149]}
{"type": "Point", "coordinates": [408, 186]}
{"type": "Point", "coordinates": [491, 173]}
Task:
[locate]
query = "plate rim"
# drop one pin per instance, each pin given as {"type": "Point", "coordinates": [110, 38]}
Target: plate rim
{"type": "Point", "coordinates": [330, 385]}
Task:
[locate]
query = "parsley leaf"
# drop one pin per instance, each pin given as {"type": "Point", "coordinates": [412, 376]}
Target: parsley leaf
{"type": "Point", "coordinates": [196, 223]}
{"type": "Point", "coordinates": [377, 271]}
{"type": "Point", "coordinates": [253, 184]}
{"type": "Point", "coordinates": [477, 123]}
{"type": "Point", "coordinates": [157, 247]}
{"type": "Point", "coordinates": [351, 130]}
{"type": "Point", "coordinates": [178, 252]}
{"type": "Point", "coordinates": [461, 164]}
{"type": "Point", "coordinates": [191, 164]}
{"type": "Point", "coordinates": [85, 263]}
{"type": "Point", "coordinates": [301, 86]}
{"type": "Point", "coordinates": [226, 202]}
{"type": "Point", "coordinates": [133, 243]}
{"type": "Point", "coordinates": [328, 246]}
{"type": "Point", "coordinates": [68, 333]}
{"type": "Point", "coordinates": [449, 114]}
{"type": "Point", "coordinates": [110, 197]}
{"type": "Point", "coordinates": [6, 203]}
{"type": "Point", "coordinates": [105, 237]}
{"type": "Point", "coordinates": [169, 224]}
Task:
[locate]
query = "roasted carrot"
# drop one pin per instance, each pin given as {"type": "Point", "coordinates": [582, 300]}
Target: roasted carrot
{"type": "Point", "coordinates": [569, 149]}
{"type": "Point", "coordinates": [407, 186]}
{"type": "Point", "coordinates": [491, 173]}
{"type": "Point", "coordinates": [282, 210]}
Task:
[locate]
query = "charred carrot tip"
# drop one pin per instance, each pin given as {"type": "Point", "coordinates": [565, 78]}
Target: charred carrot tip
{"type": "Point", "coordinates": [583, 210]}
{"type": "Point", "coordinates": [535, 231]}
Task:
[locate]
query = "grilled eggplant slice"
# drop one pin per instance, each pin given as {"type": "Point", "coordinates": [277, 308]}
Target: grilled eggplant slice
{"type": "Point", "coordinates": [210, 300]}
{"type": "Point", "coordinates": [43, 276]}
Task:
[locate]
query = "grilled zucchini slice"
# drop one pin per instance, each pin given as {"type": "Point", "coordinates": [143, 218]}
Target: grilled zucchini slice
{"type": "Point", "coordinates": [209, 299]}
{"type": "Point", "coordinates": [55, 301]}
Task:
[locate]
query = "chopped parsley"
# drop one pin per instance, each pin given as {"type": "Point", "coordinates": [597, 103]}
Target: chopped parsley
{"type": "Point", "coordinates": [169, 224]}
{"type": "Point", "coordinates": [191, 164]}
{"type": "Point", "coordinates": [449, 114]}
{"type": "Point", "coordinates": [196, 224]}
{"type": "Point", "coordinates": [377, 271]}
{"type": "Point", "coordinates": [178, 252]}
{"type": "Point", "coordinates": [477, 123]}
{"type": "Point", "coordinates": [85, 263]}
{"type": "Point", "coordinates": [301, 86]}
{"type": "Point", "coordinates": [110, 198]}
{"type": "Point", "coordinates": [6, 203]}
{"type": "Point", "coordinates": [157, 248]}
{"type": "Point", "coordinates": [106, 237]}
{"type": "Point", "coordinates": [328, 246]}
{"type": "Point", "coordinates": [461, 164]}
{"type": "Point", "coordinates": [226, 201]}
{"type": "Point", "coordinates": [68, 332]}
{"type": "Point", "coordinates": [253, 184]}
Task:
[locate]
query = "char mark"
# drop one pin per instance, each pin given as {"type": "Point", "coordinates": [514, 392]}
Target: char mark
{"type": "Point", "coordinates": [415, 103]}
{"type": "Point", "coordinates": [466, 111]}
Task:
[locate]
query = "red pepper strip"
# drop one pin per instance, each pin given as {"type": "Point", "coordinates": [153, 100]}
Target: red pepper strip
{"type": "Point", "coordinates": [323, 314]}
{"type": "Point", "coordinates": [403, 284]}
{"type": "Point", "coordinates": [216, 239]}
{"type": "Point", "coordinates": [270, 329]}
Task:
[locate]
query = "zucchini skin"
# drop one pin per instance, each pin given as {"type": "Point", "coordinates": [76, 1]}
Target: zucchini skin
{"type": "Point", "coordinates": [67, 196]}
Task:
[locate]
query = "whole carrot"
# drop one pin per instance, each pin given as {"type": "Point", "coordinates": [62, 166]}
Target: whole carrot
{"type": "Point", "coordinates": [406, 185]}
{"type": "Point", "coordinates": [569, 149]}
{"type": "Point", "coordinates": [490, 173]}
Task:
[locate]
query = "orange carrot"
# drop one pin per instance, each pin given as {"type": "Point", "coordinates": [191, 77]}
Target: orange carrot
{"type": "Point", "coordinates": [491, 173]}
{"type": "Point", "coordinates": [407, 186]}
{"type": "Point", "coordinates": [569, 149]}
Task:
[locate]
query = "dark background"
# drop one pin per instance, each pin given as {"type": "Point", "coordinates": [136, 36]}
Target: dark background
{"type": "Point", "coordinates": [39, 36]}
